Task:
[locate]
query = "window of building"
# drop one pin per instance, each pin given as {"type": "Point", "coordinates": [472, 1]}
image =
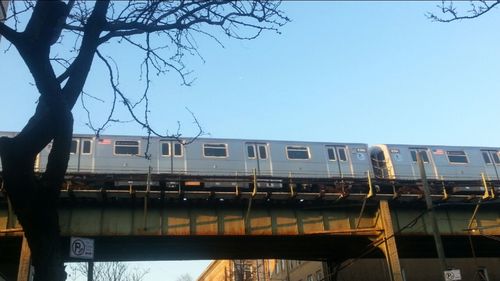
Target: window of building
{"type": "Point", "coordinates": [86, 146]}
{"type": "Point", "coordinates": [423, 154]}
{"type": "Point", "coordinates": [215, 150]}
{"type": "Point", "coordinates": [126, 147]}
{"type": "Point", "coordinates": [74, 147]}
{"type": "Point", "coordinates": [297, 152]}
{"type": "Point", "coordinates": [457, 156]}
{"type": "Point", "coordinates": [319, 275]}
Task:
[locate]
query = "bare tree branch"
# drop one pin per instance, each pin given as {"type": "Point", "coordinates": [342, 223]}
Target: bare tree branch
{"type": "Point", "coordinates": [108, 271]}
{"type": "Point", "coordinates": [450, 12]}
{"type": "Point", "coordinates": [143, 122]}
{"type": "Point", "coordinates": [82, 63]}
{"type": "Point", "coordinates": [9, 33]}
{"type": "Point", "coordinates": [163, 32]}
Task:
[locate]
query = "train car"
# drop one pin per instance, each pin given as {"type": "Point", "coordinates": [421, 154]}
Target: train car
{"type": "Point", "coordinates": [207, 156]}
{"type": "Point", "coordinates": [449, 163]}
{"type": "Point", "coordinates": [214, 157]}
{"type": "Point", "coordinates": [279, 159]}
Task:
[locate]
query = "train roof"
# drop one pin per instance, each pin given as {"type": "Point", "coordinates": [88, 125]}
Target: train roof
{"type": "Point", "coordinates": [10, 133]}
{"type": "Point", "coordinates": [202, 139]}
{"type": "Point", "coordinates": [103, 136]}
{"type": "Point", "coordinates": [435, 146]}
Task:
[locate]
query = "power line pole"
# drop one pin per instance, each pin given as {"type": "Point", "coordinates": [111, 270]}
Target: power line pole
{"type": "Point", "coordinates": [432, 217]}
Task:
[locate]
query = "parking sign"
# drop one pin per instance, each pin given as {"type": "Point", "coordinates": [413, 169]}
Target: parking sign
{"type": "Point", "coordinates": [82, 248]}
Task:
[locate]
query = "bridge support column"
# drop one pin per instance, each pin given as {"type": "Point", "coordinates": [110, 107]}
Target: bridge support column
{"type": "Point", "coordinates": [23, 273]}
{"type": "Point", "coordinates": [389, 247]}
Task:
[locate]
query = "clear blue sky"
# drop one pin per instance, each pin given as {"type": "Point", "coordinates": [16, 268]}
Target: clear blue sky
{"type": "Point", "coordinates": [340, 71]}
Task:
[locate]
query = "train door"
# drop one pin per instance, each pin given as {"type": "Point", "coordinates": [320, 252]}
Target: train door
{"type": "Point", "coordinates": [491, 163]}
{"type": "Point", "coordinates": [257, 157]}
{"type": "Point", "coordinates": [171, 159]}
{"type": "Point", "coordinates": [81, 159]}
{"type": "Point", "coordinates": [86, 161]}
{"type": "Point", "coordinates": [338, 161]}
{"type": "Point", "coordinates": [429, 165]}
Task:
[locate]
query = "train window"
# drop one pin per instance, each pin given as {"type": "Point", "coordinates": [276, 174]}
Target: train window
{"type": "Point", "coordinates": [86, 146]}
{"type": "Point", "coordinates": [496, 159]}
{"type": "Point", "coordinates": [262, 152]}
{"type": "Point", "coordinates": [74, 147]}
{"type": "Point", "coordinates": [457, 156]}
{"type": "Point", "coordinates": [342, 154]}
{"type": "Point", "coordinates": [126, 147]}
{"type": "Point", "coordinates": [177, 149]}
{"type": "Point", "coordinates": [215, 150]}
{"type": "Point", "coordinates": [331, 154]}
{"type": "Point", "coordinates": [165, 149]}
{"type": "Point", "coordinates": [486, 157]}
{"type": "Point", "coordinates": [297, 152]}
{"type": "Point", "coordinates": [423, 154]}
{"type": "Point", "coordinates": [251, 151]}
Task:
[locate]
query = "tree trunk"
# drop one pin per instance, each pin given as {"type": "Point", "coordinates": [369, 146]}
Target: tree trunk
{"type": "Point", "coordinates": [34, 197]}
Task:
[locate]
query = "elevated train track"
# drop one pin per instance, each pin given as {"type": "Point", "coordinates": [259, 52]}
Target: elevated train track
{"type": "Point", "coordinates": [181, 186]}
{"type": "Point", "coordinates": [172, 216]}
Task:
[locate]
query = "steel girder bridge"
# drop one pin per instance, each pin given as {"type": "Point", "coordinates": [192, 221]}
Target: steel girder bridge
{"type": "Point", "coordinates": [176, 217]}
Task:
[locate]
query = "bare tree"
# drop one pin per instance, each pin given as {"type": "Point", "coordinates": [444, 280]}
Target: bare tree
{"type": "Point", "coordinates": [108, 271]}
{"type": "Point", "coordinates": [184, 277]}
{"type": "Point", "coordinates": [452, 11]}
{"type": "Point", "coordinates": [58, 42]}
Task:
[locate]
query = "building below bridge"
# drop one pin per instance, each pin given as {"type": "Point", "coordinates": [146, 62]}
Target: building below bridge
{"type": "Point", "coordinates": [238, 270]}
{"type": "Point", "coordinates": [479, 269]}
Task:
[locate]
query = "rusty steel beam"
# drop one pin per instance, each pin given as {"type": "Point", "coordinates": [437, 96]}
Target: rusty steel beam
{"type": "Point", "coordinates": [389, 246]}
{"type": "Point", "coordinates": [24, 262]}
{"type": "Point", "coordinates": [186, 221]}
{"type": "Point", "coordinates": [167, 218]}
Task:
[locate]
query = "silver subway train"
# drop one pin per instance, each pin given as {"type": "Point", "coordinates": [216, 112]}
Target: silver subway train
{"type": "Point", "coordinates": [291, 159]}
